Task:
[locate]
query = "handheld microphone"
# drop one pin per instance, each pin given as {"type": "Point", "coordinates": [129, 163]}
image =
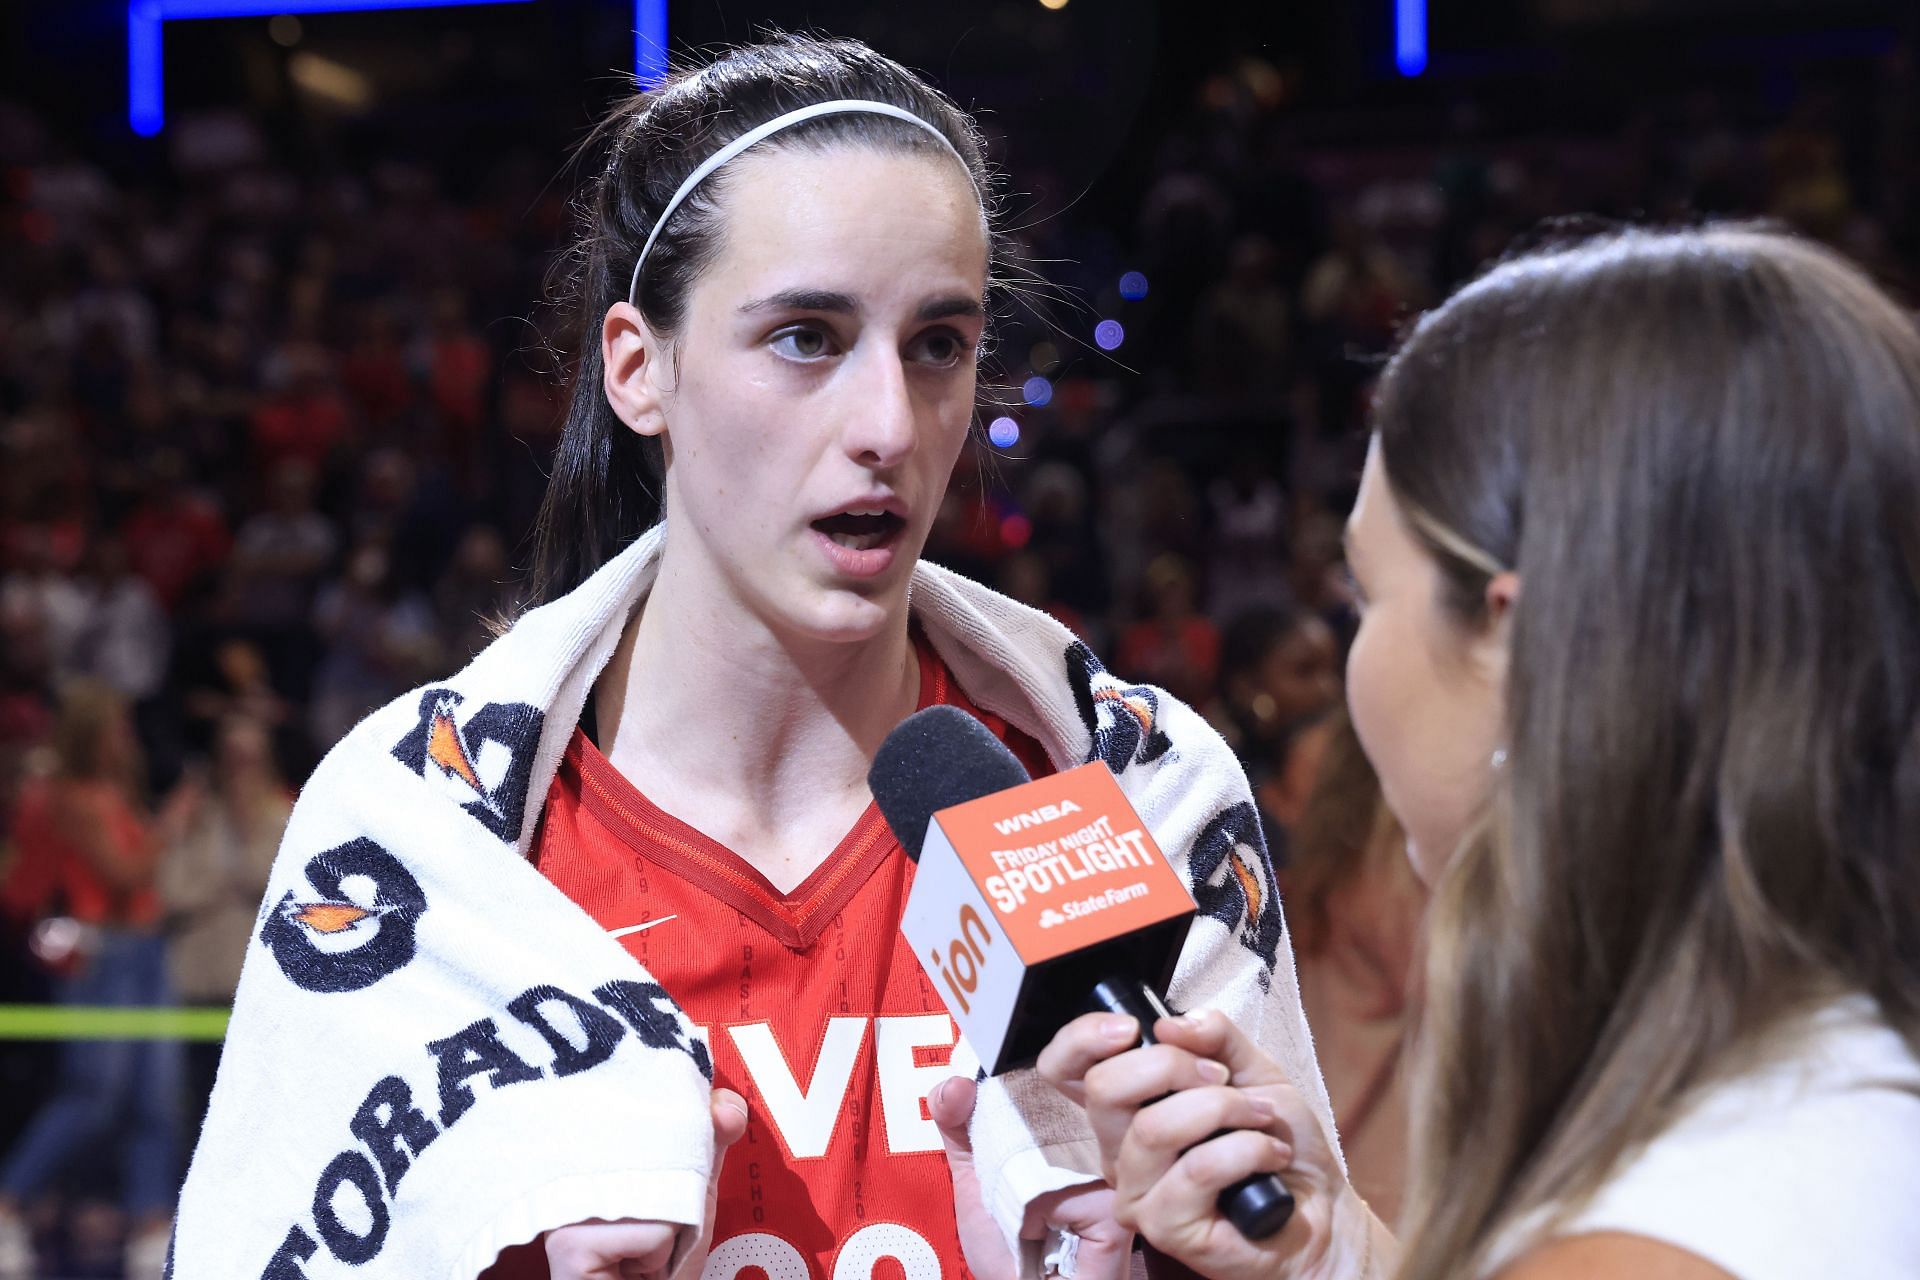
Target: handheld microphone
{"type": "Point", "coordinates": [1035, 902]}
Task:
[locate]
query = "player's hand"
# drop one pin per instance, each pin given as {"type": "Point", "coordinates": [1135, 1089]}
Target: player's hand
{"type": "Point", "coordinates": [1166, 1167]}
{"type": "Point", "coordinates": [639, 1248]}
{"type": "Point", "coordinates": [1085, 1210]}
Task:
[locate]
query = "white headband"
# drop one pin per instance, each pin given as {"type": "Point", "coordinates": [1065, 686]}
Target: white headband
{"type": "Point", "coordinates": [840, 106]}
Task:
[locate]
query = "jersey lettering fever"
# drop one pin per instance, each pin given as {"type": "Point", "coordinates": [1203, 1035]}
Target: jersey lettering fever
{"type": "Point", "coordinates": [814, 1008]}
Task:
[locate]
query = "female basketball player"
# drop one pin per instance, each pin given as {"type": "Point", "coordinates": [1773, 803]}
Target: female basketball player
{"type": "Point", "coordinates": [783, 291]}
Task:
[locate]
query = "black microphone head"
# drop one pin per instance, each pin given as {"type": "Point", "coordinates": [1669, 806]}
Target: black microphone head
{"type": "Point", "coordinates": [934, 759]}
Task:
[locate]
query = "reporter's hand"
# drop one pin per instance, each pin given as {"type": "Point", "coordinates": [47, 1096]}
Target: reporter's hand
{"type": "Point", "coordinates": [639, 1248]}
{"type": "Point", "coordinates": [1085, 1210]}
{"type": "Point", "coordinates": [1166, 1167]}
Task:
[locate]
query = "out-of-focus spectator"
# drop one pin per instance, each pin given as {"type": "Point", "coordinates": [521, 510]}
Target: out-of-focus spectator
{"type": "Point", "coordinates": [1247, 562]}
{"type": "Point", "coordinates": [26, 696]}
{"type": "Point", "coordinates": [238, 683]}
{"type": "Point", "coordinates": [379, 640]}
{"type": "Point", "coordinates": [1067, 541]}
{"type": "Point", "coordinates": [1024, 576]}
{"type": "Point", "coordinates": [1175, 645]}
{"type": "Point", "coordinates": [305, 418]}
{"type": "Point", "coordinates": [1317, 573]}
{"type": "Point", "coordinates": [1242, 337]}
{"type": "Point", "coordinates": [85, 865]}
{"type": "Point", "coordinates": [175, 538]}
{"type": "Point", "coordinates": [374, 370]}
{"type": "Point", "coordinates": [122, 638]}
{"type": "Point", "coordinates": [38, 584]}
{"type": "Point", "coordinates": [405, 507]}
{"type": "Point", "coordinates": [1279, 673]}
{"type": "Point", "coordinates": [280, 553]}
{"type": "Point", "coordinates": [459, 366]}
{"type": "Point", "coordinates": [473, 593]}
{"type": "Point", "coordinates": [221, 828]}
{"type": "Point", "coordinates": [1353, 910]}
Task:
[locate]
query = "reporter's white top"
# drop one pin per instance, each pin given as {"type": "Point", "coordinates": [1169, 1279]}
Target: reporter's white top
{"type": "Point", "coordinates": [1808, 1166]}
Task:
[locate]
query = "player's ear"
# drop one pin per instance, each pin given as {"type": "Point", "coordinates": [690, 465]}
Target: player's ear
{"type": "Point", "coordinates": [633, 358]}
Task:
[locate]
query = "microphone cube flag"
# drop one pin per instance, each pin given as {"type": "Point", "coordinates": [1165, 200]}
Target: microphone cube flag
{"type": "Point", "coordinates": [1027, 897]}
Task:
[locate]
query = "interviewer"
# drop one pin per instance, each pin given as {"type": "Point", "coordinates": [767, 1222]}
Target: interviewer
{"type": "Point", "coordinates": [1639, 668]}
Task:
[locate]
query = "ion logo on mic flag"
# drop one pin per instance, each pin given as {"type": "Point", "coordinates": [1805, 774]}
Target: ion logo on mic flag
{"type": "Point", "coordinates": [1022, 880]}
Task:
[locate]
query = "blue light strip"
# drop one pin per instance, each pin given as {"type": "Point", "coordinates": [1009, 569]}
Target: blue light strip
{"type": "Point", "coordinates": [146, 90]}
{"type": "Point", "coordinates": [146, 108]}
{"type": "Point", "coordinates": [1410, 36]}
{"type": "Point", "coordinates": [649, 42]}
{"type": "Point", "coordinates": [171, 9]}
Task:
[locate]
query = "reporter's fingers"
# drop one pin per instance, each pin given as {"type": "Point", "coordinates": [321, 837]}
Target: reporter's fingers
{"type": "Point", "coordinates": [1211, 1034]}
{"type": "Point", "coordinates": [1187, 1194]}
{"type": "Point", "coordinates": [1116, 1088]}
{"type": "Point", "coordinates": [1082, 1043]}
{"type": "Point", "coordinates": [1162, 1133]}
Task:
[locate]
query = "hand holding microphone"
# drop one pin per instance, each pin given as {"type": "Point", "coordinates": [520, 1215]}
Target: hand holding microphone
{"type": "Point", "coordinates": [1035, 902]}
{"type": "Point", "coordinates": [1197, 1112]}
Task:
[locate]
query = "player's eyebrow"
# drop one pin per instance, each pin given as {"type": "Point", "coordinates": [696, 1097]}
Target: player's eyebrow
{"type": "Point", "coordinates": [834, 302]}
{"type": "Point", "coordinates": [828, 300]}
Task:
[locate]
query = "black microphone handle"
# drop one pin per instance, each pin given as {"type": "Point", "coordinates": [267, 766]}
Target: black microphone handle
{"type": "Point", "coordinates": [1257, 1204]}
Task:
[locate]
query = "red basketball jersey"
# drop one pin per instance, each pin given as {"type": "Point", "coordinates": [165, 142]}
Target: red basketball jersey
{"type": "Point", "coordinates": [814, 1008]}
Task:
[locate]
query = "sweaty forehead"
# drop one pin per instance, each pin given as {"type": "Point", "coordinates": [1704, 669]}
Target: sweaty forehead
{"type": "Point", "coordinates": [879, 217]}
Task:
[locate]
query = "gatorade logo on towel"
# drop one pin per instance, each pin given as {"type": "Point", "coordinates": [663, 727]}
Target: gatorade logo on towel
{"type": "Point", "coordinates": [341, 936]}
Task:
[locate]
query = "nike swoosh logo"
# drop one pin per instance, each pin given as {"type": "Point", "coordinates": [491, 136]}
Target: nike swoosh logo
{"type": "Point", "coordinates": [636, 928]}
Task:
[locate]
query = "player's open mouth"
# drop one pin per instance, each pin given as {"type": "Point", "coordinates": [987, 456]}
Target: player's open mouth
{"type": "Point", "coordinates": [861, 530]}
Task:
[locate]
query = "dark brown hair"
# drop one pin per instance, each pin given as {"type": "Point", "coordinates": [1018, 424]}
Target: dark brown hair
{"type": "Point", "coordinates": [605, 483]}
{"type": "Point", "coordinates": [1700, 450]}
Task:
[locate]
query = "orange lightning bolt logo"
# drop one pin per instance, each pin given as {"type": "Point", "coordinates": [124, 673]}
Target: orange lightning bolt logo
{"type": "Point", "coordinates": [1137, 707]}
{"type": "Point", "coordinates": [486, 750]}
{"type": "Point", "coordinates": [445, 748]}
{"type": "Point", "coordinates": [1250, 883]}
{"type": "Point", "coordinates": [448, 749]}
{"type": "Point", "coordinates": [330, 918]}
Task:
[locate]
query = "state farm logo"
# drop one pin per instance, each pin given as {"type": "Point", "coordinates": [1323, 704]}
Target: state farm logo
{"type": "Point", "coordinates": [1049, 918]}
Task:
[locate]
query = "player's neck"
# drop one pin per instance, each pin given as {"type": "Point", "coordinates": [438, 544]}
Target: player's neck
{"type": "Point", "coordinates": [759, 742]}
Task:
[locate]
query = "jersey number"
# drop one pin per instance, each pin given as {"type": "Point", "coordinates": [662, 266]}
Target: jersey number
{"type": "Point", "coordinates": [858, 1253]}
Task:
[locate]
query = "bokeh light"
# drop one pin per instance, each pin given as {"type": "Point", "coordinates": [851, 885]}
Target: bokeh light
{"type": "Point", "coordinates": [1109, 334]}
{"type": "Point", "coordinates": [1044, 357]}
{"type": "Point", "coordinates": [1016, 530]}
{"type": "Point", "coordinates": [1037, 391]}
{"type": "Point", "coordinates": [1133, 286]}
{"type": "Point", "coordinates": [1053, 4]}
{"type": "Point", "coordinates": [1004, 432]}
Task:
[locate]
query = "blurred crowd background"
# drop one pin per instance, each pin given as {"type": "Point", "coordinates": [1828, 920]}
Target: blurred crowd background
{"type": "Point", "coordinates": [278, 386]}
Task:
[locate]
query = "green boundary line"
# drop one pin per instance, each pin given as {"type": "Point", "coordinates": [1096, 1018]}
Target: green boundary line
{"type": "Point", "coordinates": [83, 1022]}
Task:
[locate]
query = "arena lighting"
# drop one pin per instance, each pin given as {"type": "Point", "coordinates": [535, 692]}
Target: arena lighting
{"type": "Point", "coordinates": [146, 105]}
{"type": "Point", "coordinates": [1410, 36]}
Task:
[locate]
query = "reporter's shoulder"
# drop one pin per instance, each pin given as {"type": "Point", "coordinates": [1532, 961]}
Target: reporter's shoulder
{"type": "Point", "coordinates": [1611, 1255]}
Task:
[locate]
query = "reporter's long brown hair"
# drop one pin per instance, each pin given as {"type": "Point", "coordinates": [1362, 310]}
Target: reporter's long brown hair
{"type": "Point", "coordinates": [1701, 452]}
